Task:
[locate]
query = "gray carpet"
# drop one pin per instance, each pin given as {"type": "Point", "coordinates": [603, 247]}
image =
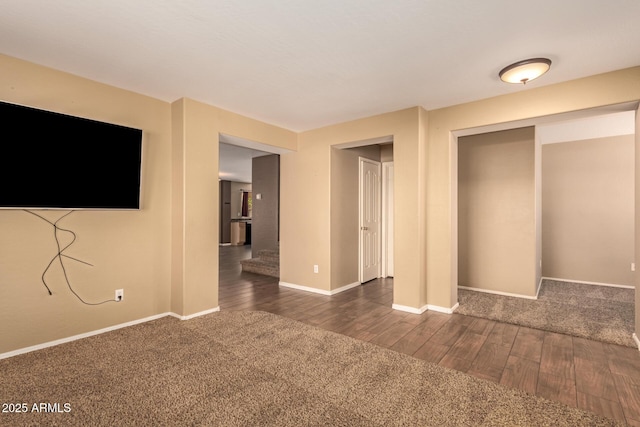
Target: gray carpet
{"type": "Point", "coordinates": [256, 369]}
{"type": "Point", "coordinates": [599, 313]}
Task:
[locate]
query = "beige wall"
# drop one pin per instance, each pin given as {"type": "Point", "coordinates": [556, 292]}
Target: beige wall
{"type": "Point", "coordinates": [525, 103]}
{"type": "Point", "coordinates": [637, 220]}
{"type": "Point", "coordinates": [195, 205]}
{"type": "Point", "coordinates": [196, 212]}
{"type": "Point", "coordinates": [538, 213]}
{"type": "Point", "coordinates": [496, 211]}
{"type": "Point", "coordinates": [177, 225]}
{"type": "Point", "coordinates": [386, 153]}
{"type": "Point", "coordinates": [306, 221]}
{"type": "Point", "coordinates": [128, 249]}
{"type": "Point", "coordinates": [588, 210]}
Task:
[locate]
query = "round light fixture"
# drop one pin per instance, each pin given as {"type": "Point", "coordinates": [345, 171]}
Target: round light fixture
{"type": "Point", "coordinates": [525, 71]}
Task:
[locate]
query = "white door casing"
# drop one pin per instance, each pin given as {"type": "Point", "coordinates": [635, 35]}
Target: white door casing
{"type": "Point", "coordinates": [387, 219]}
{"type": "Point", "coordinates": [369, 213]}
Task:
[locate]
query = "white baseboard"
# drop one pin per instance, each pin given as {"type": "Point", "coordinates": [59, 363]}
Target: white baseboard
{"type": "Point", "coordinates": [506, 294]}
{"type": "Point", "coordinates": [345, 288]}
{"type": "Point", "coordinates": [637, 341]}
{"type": "Point", "coordinates": [102, 331]}
{"type": "Point", "coordinates": [425, 308]}
{"type": "Point", "coordinates": [443, 309]}
{"type": "Point", "coordinates": [408, 309]}
{"type": "Point", "coordinates": [320, 291]}
{"type": "Point", "coordinates": [79, 336]}
{"type": "Point", "coordinates": [399, 307]}
{"type": "Point", "coordinates": [539, 287]}
{"type": "Point", "coordinates": [198, 314]}
{"type": "Point", "coordinates": [582, 282]}
{"type": "Point", "coordinates": [304, 288]}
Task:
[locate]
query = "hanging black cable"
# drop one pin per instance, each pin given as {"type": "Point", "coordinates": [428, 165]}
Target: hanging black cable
{"type": "Point", "coordinates": [59, 256]}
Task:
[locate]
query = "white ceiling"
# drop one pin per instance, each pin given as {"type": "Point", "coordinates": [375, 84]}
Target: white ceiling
{"type": "Point", "coordinates": [303, 64]}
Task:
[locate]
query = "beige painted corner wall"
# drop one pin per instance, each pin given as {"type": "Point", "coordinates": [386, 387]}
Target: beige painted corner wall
{"type": "Point", "coordinates": [128, 249]}
{"type": "Point", "coordinates": [496, 211]}
{"type": "Point", "coordinates": [195, 209]}
{"type": "Point", "coordinates": [306, 223]}
{"type": "Point", "coordinates": [523, 104]}
{"type": "Point", "coordinates": [588, 210]}
{"type": "Point", "coordinates": [386, 153]}
{"type": "Point", "coordinates": [195, 205]}
{"type": "Point", "coordinates": [637, 220]}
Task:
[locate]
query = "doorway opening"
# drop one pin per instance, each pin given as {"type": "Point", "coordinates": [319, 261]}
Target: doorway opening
{"type": "Point", "coordinates": [249, 177]}
{"type": "Point", "coordinates": [354, 244]}
{"type": "Point", "coordinates": [562, 160]}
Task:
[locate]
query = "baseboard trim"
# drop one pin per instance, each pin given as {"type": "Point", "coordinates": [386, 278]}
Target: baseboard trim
{"type": "Point", "coordinates": [304, 288]}
{"type": "Point", "coordinates": [345, 288]}
{"type": "Point", "coordinates": [191, 316]}
{"type": "Point", "coordinates": [637, 341]}
{"type": "Point", "coordinates": [102, 331]}
{"type": "Point", "coordinates": [424, 308]}
{"type": "Point", "coordinates": [539, 287]}
{"type": "Point", "coordinates": [320, 291]}
{"type": "Point", "coordinates": [79, 336]}
{"type": "Point", "coordinates": [582, 282]}
{"type": "Point", "coordinates": [506, 294]}
{"type": "Point", "coordinates": [444, 310]}
{"type": "Point", "coordinates": [408, 309]}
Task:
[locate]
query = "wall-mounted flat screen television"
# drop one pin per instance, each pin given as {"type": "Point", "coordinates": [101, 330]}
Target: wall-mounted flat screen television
{"type": "Point", "coordinates": [56, 161]}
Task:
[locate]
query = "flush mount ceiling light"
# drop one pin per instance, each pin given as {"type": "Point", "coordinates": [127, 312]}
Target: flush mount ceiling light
{"type": "Point", "coordinates": [525, 71]}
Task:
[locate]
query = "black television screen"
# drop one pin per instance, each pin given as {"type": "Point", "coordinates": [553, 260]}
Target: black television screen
{"type": "Point", "coordinates": [55, 161]}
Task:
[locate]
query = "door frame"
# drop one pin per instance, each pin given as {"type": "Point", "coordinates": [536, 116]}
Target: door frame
{"type": "Point", "coordinates": [361, 252]}
{"type": "Point", "coordinates": [387, 218]}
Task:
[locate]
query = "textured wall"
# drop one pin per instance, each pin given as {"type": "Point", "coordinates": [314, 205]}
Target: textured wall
{"type": "Point", "coordinates": [588, 210]}
{"type": "Point", "coordinates": [496, 211]}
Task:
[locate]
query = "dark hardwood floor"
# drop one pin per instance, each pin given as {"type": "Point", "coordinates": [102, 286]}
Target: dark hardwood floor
{"type": "Point", "coordinates": [590, 375]}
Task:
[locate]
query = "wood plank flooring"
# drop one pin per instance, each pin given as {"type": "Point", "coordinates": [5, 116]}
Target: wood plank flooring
{"type": "Point", "coordinates": [590, 375]}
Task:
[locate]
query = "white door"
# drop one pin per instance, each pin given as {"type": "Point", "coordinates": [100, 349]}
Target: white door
{"type": "Point", "coordinates": [370, 192]}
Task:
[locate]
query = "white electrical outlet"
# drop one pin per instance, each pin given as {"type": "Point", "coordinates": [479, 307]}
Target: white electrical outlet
{"type": "Point", "coordinates": [633, 266]}
{"type": "Point", "coordinates": [315, 268]}
{"type": "Point", "coordinates": [119, 295]}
